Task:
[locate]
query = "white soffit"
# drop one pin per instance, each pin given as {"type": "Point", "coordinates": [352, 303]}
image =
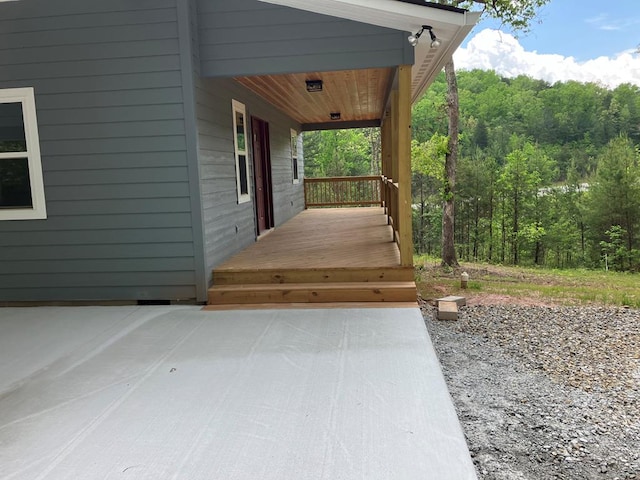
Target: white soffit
{"type": "Point", "coordinates": [450, 27]}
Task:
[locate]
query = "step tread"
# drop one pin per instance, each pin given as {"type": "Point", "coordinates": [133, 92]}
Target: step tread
{"type": "Point", "coordinates": [318, 275]}
{"type": "Point", "coordinates": [308, 305]}
{"type": "Point", "coordinates": [305, 269]}
{"type": "Point", "coordinates": [313, 293]}
{"type": "Point", "coordinates": [316, 286]}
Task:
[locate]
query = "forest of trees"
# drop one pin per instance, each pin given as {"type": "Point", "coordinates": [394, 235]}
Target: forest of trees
{"type": "Point", "coordinates": [547, 175]}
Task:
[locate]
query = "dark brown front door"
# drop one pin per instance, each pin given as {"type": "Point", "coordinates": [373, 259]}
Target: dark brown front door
{"type": "Point", "coordinates": [262, 174]}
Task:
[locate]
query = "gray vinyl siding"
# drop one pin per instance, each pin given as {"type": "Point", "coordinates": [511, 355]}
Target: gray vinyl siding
{"type": "Point", "coordinates": [134, 115]}
{"type": "Point", "coordinates": [229, 226]}
{"type": "Point", "coordinates": [248, 37]}
{"type": "Point", "coordinates": [109, 100]}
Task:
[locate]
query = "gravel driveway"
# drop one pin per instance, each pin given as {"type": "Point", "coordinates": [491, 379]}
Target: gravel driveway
{"type": "Point", "coordinates": [545, 392]}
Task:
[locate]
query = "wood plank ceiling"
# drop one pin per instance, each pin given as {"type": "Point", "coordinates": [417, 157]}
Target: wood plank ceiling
{"type": "Point", "coordinates": [358, 95]}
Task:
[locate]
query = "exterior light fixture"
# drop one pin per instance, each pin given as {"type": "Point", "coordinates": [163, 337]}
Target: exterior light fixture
{"type": "Point", "coordinates": [335, 116]}
{"type": "Point", "coordinates": [413, 39]}
{"type": "Point", "coordinates": [314, 86]}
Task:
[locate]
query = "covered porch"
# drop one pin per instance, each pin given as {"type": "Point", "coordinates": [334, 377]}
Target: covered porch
{"type": "Point", "coordinates": [347, 254]}
{"type": "Point", "coordinates": [353, 242]}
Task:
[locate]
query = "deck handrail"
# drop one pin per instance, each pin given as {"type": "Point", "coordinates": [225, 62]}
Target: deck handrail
{"type": "Point", "coordinates": [390, 198]}
{"type": "Point", "coordinates": [343, 191]}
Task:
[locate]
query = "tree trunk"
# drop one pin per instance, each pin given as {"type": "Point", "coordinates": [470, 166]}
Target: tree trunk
{"type": "Point", "coordinates": [514, 231]}
{"type": "Point", "coordinates": [448, 210]}
{"type": "Point", "coordinates": [476, 229]}
{"type": "Point", "coordinates": [491, 224]}
{"type": "Point", "coordinates": [421, 242]}
{"type": "Point", "coordinates": [503, 219]}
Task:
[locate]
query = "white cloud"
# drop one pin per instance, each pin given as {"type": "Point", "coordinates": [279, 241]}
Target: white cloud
{"type": "Point", "coordinates": [495, 50]}
{"type": "Point", "coordinates": [606, 22]}
{"type": "Point", "coordinates": [603, 22]}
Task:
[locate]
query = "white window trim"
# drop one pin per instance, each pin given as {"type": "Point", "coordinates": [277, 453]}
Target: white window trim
{"type": "Point", "coordinates": [296, 157]}
{"type": "Point", "coordinates": [238, 107]}
{"type": "Point", "coordinates": [39, 210]}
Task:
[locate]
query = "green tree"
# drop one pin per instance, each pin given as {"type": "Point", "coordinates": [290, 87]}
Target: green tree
{"type": "Point", "coordinates": [518, 15]}
{"type": "Point", "coordinates": [614, 197]}
{"type": "Point", "coordinates": [614, 250]}
{"type": "Point", "coordinates": [515, 184]}
{"type": "Point", "coordinates": [337, 153]}
{"type": "Point", "coordinates": [525, 202]}
{"type": "Point", "coordinates": [566, 228]}
{"type": "Point", "coordinates": [427, 161]}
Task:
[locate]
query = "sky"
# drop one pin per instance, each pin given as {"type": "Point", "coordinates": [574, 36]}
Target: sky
{"type": "Point", "coordinates": [583, 40]}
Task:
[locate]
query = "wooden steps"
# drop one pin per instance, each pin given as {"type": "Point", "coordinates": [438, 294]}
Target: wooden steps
{"type": "Point", "coordinates": [313, 292]}
{"type": "Point", "coordinates": [312, 275]}
{"type": "Point", "coordinates": [321, 286]}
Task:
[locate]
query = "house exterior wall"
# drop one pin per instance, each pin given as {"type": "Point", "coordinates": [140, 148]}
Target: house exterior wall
{"type": "Point", "coordinates": [230, 226]}
{"type": "Point", "coordinates": [135, 123]}
{"type": "Point", "coordinates": [248, 37]}
{"type": "Point", "coordinates": [109, 99]}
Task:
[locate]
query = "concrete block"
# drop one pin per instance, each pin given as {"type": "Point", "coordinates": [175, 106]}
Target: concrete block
{"type": "Point", "coordinates": [460, 301]}
{"type": "Point", "coordinates": [447, 310]}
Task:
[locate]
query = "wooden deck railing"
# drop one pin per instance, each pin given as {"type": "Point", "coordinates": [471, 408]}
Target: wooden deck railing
{"type": "Point", "coordinates": [343, 191]}
{"type": "Point", "coordinates": [390, 196]}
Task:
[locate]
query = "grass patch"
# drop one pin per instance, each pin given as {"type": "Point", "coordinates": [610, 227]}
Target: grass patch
{"type": "Point", "coordinates": [567, 287]}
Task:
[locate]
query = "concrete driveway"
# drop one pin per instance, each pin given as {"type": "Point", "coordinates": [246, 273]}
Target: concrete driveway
{"type": "Point", "coordinates": [178, 393]}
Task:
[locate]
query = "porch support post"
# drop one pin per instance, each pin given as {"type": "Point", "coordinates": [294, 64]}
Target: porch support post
{"type": "Point", "coordinates": [394, 135]}
{"type": "Point", "coordinates": [403, 161]}
{"type": "Point", "coordinates": [385, 140]}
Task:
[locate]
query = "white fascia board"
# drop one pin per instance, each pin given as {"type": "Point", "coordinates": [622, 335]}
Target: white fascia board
{"type": "Point", "coordinates": [406, 17]}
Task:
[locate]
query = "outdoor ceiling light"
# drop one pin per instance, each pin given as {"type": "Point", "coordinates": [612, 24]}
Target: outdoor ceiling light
{"type": "Point", "coordinates": [335, 115]}
{"type": "Point", "coordinates": [413, 39]}
{"type": "Point", "coordinates": [314, 86]}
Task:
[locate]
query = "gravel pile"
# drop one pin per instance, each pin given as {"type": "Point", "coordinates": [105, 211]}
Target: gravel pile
{"type": "Point", "coordinates": [545, 392]}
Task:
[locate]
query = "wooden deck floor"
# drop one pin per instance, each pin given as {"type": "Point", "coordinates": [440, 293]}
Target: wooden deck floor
{"type": "Point", "coordinates": [323, 238]}
{"type": "Point", "coordinates": [321, 256]}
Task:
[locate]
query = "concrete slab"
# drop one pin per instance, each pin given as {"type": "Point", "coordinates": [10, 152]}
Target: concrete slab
{"type": "Point", "coordinates": [447, 310]}
{"type": "Point", "coordinates": [178, 393]}
{"type": "Point", "coordinates": [460, 301]}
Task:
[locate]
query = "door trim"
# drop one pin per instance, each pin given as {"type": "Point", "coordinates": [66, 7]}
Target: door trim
{"type": "Point", "coordinates": [262, 178]}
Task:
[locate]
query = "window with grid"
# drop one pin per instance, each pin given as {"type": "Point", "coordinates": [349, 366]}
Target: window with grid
{"type": "Point", "coordinates": [21, 183]}
{"type": "Point", "coordinates": [241, 153]}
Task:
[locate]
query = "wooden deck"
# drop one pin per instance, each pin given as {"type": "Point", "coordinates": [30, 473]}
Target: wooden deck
{"type": "Point", "coordinates": [320, 256]}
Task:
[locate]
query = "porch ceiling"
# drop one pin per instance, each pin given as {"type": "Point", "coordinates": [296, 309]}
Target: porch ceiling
{"type": "Point", "coordinates": [359, 96]}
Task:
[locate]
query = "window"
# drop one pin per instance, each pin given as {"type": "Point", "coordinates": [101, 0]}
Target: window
{"type": "Point", "coordinates": [240, 145]}
{"type": "Point", "coordinates": [21, 184]}
{"type": "Point", "coordinates": [294, 156]}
